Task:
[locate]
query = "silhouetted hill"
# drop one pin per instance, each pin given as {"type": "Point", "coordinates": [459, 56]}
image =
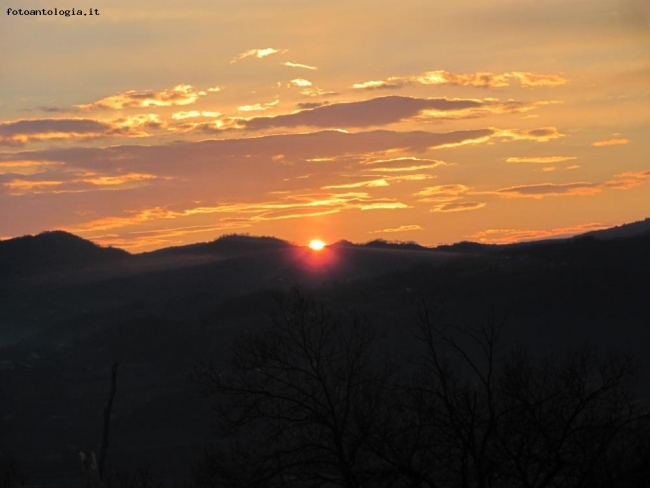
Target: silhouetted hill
{"type": "Point", "coordinates": [53, 250]}
{"type": "Point", "coordinates": [159, 314]}
{"type": "Point", "coordinates": [642, 227]}
{"type": "Point", "coordinates": [227, 244]}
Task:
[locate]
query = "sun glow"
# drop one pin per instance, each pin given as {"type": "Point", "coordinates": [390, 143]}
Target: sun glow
{"type": "Point", "coordinates": [317, 245]}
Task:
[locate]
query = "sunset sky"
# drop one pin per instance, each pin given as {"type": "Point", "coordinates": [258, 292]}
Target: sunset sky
{"type": "Point", "coordinates": [161, 123]}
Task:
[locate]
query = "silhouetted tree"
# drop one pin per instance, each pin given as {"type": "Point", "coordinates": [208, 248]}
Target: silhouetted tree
{"type": "Point", "coordinates": [303, 399]}
{"type": "Point", "coordinates": [306, 404]}
{"type": "Point", "coordinates": [12, 476]}
{"type": "Point", "coordinates": [476, 417]}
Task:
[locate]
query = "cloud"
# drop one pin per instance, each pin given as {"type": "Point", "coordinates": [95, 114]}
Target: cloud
{"type": "Point", "coordinates": [193, 114]}
{"type": "Point", "coordinates": [22, 131]}
{"type": "Point", "coordinates": [57, 109]}
{"type": "Point", "coordinates": [541, 159]}
{"type": "Point", "coordinates": [76, 182]}
{"type": "Point", "coordinates": [295, 147]}
{"type": "Point", "coordinates": [289, 207]}
{"type": "Point", "coordinates": [257, 53]}
{"type": "Point", "coordinates": [403, 164]}
{"type": "Point", "coordinates": [611, 142]}
{"type": "Point", "coordinates": [373, 112]}
{"type": "Point", "coordinates": [441, 193]}
{"type": "Point", "coordinates": [179, 95]}
{"type": "Point", "coordinates": [508, 236]}
{"type": "Point", "coordinates": [458, 206]}
{"type": "Point", "coordinates": [401, 228]}
{"type": "Point", "coordinates": [629, 179]}
{"type": "Point", "coordinates": [550, 189]}
{"type": "Point", "coordinates": [359, 184]}
{"type": "Point", "coordinates": [27, 167]}
{"type": "Point", "coordinates": [479, 79]}
{"type": "Point", "coordinates": [543, 134]}
{"type": "Point", "coordinates": [298, 65]}
{"type": "Point", "coordinates": [301, 82]}
{"type": "Point", "coordinates": [138, 240]}
{"type": "Point", "coordinates": [311, 104]}
{"type": "Point", "coordinates": [258, 106]}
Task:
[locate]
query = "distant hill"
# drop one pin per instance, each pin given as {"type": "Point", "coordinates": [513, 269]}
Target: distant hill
{"type": "Point", "coordinates": [227, 244]}
{"type": "Point", "coordinates": [383, 244]}
{"type": "Point", "coordinates": [53, 250]}
{"type": "Point", "coordinates": [642, 227]}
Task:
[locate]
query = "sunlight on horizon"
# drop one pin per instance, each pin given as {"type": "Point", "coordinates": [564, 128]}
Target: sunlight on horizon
{"type": "Point", "coordinates": [317, 245]}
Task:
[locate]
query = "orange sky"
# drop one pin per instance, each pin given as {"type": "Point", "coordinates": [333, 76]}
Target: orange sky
{"type": "Point", "coordinates": [160, 124]}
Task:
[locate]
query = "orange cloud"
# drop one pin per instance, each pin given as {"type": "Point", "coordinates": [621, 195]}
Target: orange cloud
{"type": "Point", "coordinates": [258, 106]}
{"type": "Point", "coordinates": [550, 190]}
{"type": "Point", "coordinates": [179, 95]}
{"type": "Point", "coordinates": [193, 114]}
{"type": "Point", "coordinates": [543, 134]}
{"type": "Point", "coordinates": [627, 180]}
{"type": "Point", "coordinates": [401, 228]}
{"type": "Point", "coordinates": [441, 193]}
{"type": "Point", "coordinates": [383, 111]}
{"type": "Point", "coordinates": [458, 206]}
{"type": "Point", "coordinates": [27, 167]}
{"type": "Point", "coordinates": [479, 79]}
{"type": "Point", "coordinates": [360, 184]}
{"type": "Point", "coordinates": [100, 180]}
{"type": "Point", "coordinates": [23, 131]}
{"type": "Point", "coordinates": [541, 159]}
{"type": "Point", "coordinates": [508, 236]}
{"type": "Point", "coordinates": [24, 185]}
{"type": "Point", "coordinates": [137, 240]}
{"type": "Point", "coordinates": [291, 206]}
{"type": "Point", "coordinates": [611, 142]}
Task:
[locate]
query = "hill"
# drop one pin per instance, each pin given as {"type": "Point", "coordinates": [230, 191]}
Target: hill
{"type": "Point", "coordinates": [53, 250]}
{"type": "Point", "coordinates": [159, 314]}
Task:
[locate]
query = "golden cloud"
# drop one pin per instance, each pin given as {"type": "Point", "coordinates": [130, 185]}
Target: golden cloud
{"type": "Point", "coordinates": [458, 206]}
{"type": "Point", "coordinates": [508, 236]}
{"type": "Point", "coordinates": [257, 53]}
{"type": "Point", "coordinates": [298, 65]}
{"type": "Point", "coordinates": [193, 114]}
{"type": "Point", "coordinates": [629, 179]}
{"type": "Point", "coordinates": [258, 106]}
{"type": "Point", "coordinates": [20, 132]}
{"type": "Point", "coordinates": [442, 193]}
{"type": "Point", "coordinates": [543, 134]}
{"type": "Point", "coordinates": [301, 82]}
{"type": "Point", "coordinates": [550, 190]}
{"type": "Point", "coordinates": [479, 79]}
{"type": "Point", "coordinates": [360, 184]}
{"type": "Point", "coordinates": [541, 159]}
{"type": "Point", "coordinates": [27, 167]}
{"type": "Point", "coordinates": [401, 228]}
{"type": "Point", "coordinates": [83, 182]}
{"type": "Point", "coordinates": [403, 164]}
{"type": "Point", "coordinates": [620, 141]}
{"type": "Point", "coordinates": [26, 186]}
{"type": "Point", "coordinates": [179, 95]}
{"type": "Point", "coordinates": [291, 206]}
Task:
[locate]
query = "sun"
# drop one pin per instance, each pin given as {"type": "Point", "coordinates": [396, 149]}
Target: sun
{"type": "Point", "coordinates": [317, 245]}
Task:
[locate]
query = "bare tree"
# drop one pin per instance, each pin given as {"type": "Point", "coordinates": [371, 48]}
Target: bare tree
{"type": "Point", "coordinates": [475, 416]}
{"type": "Point", "coordinates": [299, 403]}
{"type": "Point", "coordinates": [305, 403]}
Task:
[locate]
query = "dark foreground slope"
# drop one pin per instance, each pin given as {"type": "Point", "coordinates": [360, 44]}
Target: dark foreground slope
{"type": "Point", "coordinates": [160, 314]}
